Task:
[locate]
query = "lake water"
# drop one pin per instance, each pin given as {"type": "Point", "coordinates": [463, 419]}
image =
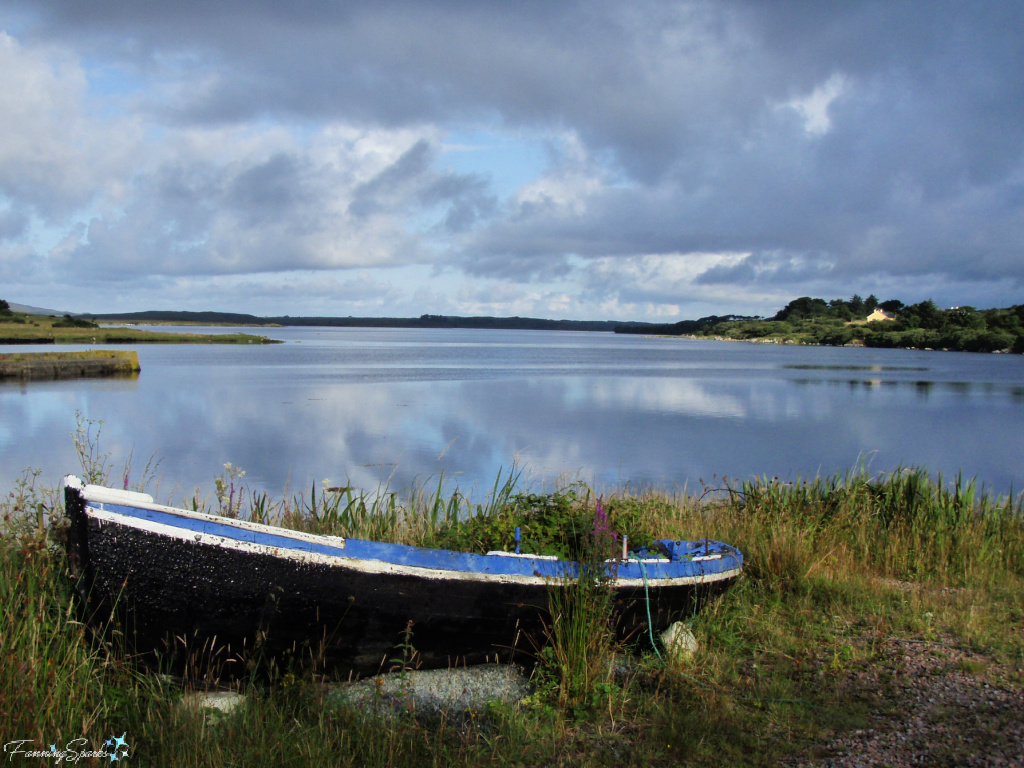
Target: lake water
{"type": "Point", "coordinates": [399, 406]}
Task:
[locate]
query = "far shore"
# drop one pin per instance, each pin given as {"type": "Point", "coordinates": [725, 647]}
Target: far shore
{"type": "Point", "coordinates": [182, 324]}
{"type": "Point", "coordinates": [20, 328]}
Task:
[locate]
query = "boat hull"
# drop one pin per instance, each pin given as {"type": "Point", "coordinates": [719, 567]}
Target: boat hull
{"type": "Point", "coordinates": [204, 599]}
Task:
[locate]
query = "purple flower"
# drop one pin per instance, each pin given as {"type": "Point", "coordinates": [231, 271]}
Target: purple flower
{"type": "Point", "coordinates": [603, 534]}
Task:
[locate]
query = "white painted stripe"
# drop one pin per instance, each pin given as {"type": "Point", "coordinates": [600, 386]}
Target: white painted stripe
{"type": "Point", "coordinates": [242, 525]}
{"type": "Point", "coordinates": [115, 496]}
{"type": "Point", "coordinates": [502, 553]}
{"type": "Point", "coordinates": [371, 566]}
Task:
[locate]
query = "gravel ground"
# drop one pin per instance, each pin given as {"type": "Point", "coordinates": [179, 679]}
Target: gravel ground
{"type": "Point", "coordinates": [938, 705]}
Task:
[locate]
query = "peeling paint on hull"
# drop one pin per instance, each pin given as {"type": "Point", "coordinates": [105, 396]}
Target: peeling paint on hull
{"type": "Point", "coordinates": [182, 583]}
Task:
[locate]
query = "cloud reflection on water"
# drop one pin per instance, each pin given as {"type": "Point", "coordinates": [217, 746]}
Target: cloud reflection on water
{"type": "Point", "coordinates": [635, 411]}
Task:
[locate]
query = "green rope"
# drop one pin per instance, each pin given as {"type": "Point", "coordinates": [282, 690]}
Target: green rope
{"type": "Point", "coordinates": [647, 602]}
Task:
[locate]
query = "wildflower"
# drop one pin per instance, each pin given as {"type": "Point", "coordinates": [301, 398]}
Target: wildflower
{"type": "Point", "coordinates": [604, 536]}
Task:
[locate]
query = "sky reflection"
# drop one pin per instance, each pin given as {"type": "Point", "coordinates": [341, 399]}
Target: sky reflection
{"type": "Point", "coordinates": [641, 411]}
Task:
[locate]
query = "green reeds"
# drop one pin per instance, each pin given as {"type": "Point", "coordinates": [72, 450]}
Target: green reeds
{"type": "Point", "coordinates": [834, 567]}
{"type": "Point", "coordinates": [417, 517]}
{"type": "Point", "coordinates": [902, 525]}
{"type": "Point", "coordinates": [576, 665]}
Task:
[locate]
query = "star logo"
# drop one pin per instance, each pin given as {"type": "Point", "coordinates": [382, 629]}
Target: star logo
{"type": "Point", "coordinates": [118, 743]}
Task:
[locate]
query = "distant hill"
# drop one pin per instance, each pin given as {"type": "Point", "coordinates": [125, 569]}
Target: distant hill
{"type": "Point", "coordinates": [35, 310]}
{"type": "Point", "coordinates": [423, 321]}
{"type": "Point", "coordinates": [681, 327]}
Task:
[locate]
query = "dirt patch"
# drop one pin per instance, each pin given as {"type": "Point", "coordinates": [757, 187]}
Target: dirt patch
{"type": "Point", "coordinates": [937, 704]}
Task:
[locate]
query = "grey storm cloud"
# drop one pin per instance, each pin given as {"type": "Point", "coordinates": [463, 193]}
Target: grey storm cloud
{"type": "Point", "coordinates": [412, 181]}
{"type": "Point", "coordinates": [831, 140]}
{"type": "Point", "coordinates": [648, 79]}
{"type": "Point", "coordinates": [269, 187]}
{"type": "Point", "coordinates": [372, 194]}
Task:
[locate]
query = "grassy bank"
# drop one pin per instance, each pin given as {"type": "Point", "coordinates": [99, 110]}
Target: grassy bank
{"type": "Point", "coordinates": [836, 570]}
{"type": "Point", "coordinates": [19, 328]}
{"type": "Point", "coordinates": [66, 365]}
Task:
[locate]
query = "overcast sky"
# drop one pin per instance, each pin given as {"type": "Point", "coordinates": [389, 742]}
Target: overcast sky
{"type": "Point", "coordinates": [648, 160]}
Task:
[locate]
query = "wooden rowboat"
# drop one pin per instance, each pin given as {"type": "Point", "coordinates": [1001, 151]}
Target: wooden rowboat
{"type": "Point", "coordinates": [185, 585]}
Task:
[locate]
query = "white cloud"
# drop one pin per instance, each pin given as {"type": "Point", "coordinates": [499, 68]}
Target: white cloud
{"type": "Point", "coordinates": [564, 190]}
{"type": "Point", "coordinates": [814, 106]}
{"type": "Point", "coordinates": [54, 159]}
{"type": "Point", "coordinates": [670, 287]}
{"type": "Point", "coordinates": [250, 199]}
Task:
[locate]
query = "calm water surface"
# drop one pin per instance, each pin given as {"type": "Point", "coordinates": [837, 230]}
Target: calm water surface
{"type": "Point", "coordinates": [399, 406]}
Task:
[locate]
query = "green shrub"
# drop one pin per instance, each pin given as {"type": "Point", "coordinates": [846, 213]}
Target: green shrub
{"type": "Point", "coordinates": [74, 322]}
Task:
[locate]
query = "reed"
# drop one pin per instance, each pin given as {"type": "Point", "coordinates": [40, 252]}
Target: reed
{"type": "Point", "coordinates": [419, 516]}
{"type": "Point", "coordinates": [576, 667]}
{"type": "Point", "coordinates": [902, 525]}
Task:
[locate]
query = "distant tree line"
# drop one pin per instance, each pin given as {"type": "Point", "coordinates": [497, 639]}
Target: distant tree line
{"type": "Point", "coordinates": [841, 322]}
{"type": "Point", "coordinates": [805, 320]}
{"type": "Point", "coordinates": [423, 321]}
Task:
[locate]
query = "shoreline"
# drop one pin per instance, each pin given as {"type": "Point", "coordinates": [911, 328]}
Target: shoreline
{"type": "Point", "coordinates": [854, 344]}
{"type": "Point", "coordinates": [20, 329]}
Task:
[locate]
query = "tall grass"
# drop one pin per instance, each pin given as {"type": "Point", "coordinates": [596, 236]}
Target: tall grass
{"type": "Point", "coordinates": [577, 663]}
{"type": "Point", "coordinates": [904, 525]}
{"type": "Point", "coordinates": [416, 516]}
{"type": "Point", "coordinates": [57, 681]}
{"type": "Point", "coordinates": [833, 567]}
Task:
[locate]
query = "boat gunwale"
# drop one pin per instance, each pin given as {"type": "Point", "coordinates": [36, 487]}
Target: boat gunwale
{"type": "Point", "coordinates": [382, 557]}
